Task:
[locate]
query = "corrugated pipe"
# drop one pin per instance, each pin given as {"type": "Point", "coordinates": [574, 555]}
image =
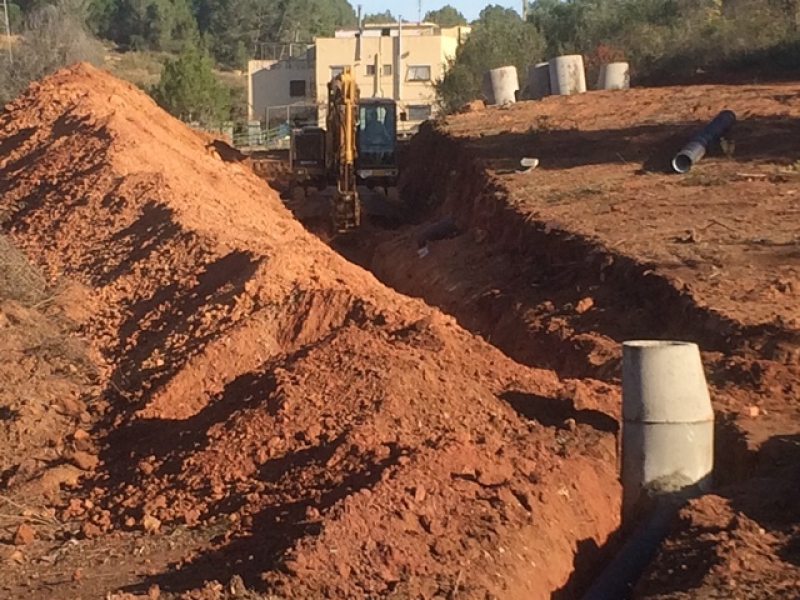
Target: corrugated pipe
{"type": "Point", "coordinates": [619, 577]}
{"type": "Point", "coordinates": [696, 149]}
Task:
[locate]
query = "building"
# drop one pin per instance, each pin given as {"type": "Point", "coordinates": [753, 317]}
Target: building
{"type": "Point", "coordinates": [401, 61]}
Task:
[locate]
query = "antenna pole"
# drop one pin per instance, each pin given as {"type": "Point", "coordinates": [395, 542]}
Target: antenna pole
{"type": "Point", "coordinates": [8, 28]}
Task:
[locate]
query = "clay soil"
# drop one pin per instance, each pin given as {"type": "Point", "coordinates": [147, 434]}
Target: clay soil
{"type": "Point", "coordinates": [247, 414]}
{"type": "Point", "coordinates": [601, 243]}
{"type": "Point", "coordinates": [203, 400]}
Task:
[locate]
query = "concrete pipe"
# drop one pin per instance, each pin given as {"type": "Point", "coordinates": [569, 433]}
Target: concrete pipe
{"type": "Point", "coordinates": [667, 421]}
{"type": "Point", "coordinates": [538, 81]}
{"type": "Point", "coordinates": [614, 76]}
{"type": "Point", "coordinates": [501, 85]}
{"type": "Point", "coordinates": [567, 75]}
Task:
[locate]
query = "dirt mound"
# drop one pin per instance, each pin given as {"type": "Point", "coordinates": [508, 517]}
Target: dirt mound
{"type": "Point", "coordinates": [742, 542]}
{"type": "Point", "coordinates": [343, 440]}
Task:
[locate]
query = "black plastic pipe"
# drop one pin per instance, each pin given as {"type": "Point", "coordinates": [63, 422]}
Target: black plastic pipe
{"type": "Point", "coordinates": [619, 577]}
{"type": "Point", "coordinates": [696, 149]}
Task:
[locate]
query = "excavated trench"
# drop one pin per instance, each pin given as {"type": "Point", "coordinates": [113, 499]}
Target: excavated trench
{"type": "Point", "coordinates": [547, 297]}
{"type": "Point", "coordinates": [351, 437]}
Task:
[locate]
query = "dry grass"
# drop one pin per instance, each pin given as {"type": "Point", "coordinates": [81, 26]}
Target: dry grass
{"type": "Point", "coordinates": [19, 280]}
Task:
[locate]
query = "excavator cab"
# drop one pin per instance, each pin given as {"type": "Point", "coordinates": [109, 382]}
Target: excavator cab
{"type": "Point", "coordinates": [376, 161]}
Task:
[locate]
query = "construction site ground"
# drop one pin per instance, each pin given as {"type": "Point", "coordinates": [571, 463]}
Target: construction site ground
{"type": "Point", "coordinates": [202, 399]}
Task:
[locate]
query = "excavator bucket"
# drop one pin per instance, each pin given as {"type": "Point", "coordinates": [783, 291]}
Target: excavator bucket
{"type": "Point", "coordinates": [346, 212]}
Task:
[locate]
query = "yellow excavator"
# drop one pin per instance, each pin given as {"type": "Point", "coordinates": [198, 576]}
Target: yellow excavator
{"type": "Point", "coordinates": [341, 159]}
{"type": "Point", "coordinates": [357, 147]}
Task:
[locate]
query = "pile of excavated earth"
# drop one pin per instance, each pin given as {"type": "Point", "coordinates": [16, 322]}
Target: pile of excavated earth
{"type": "Point", "coordinates": [200, 399]}
{"type": "Point", "coordinates": [331, 437]}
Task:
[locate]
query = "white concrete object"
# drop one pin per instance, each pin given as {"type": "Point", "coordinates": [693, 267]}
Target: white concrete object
{"type": "Point", "coordinates": [567, 75]}
{"type": "Point", "coordinates": [668, 421]}
{"type": "Point", "coordinates": [502, 85]}
{"type": "Point", "coordinates": [614, 76]}
{"type": "Point", "coordinates": [538, 81]}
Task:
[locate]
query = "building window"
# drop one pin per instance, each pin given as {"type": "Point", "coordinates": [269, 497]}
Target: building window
{"type": "Point", "coordinates": [387, 70]}
{"type": "Point", "coordinates": [419, 112]}
{"type": "Point", "coordinates": [336, 70]}
{"type": "Point", "coordinates": [371, 70]}
{"type": "Point", "coordinates": [297, 88]}
{"type": "Point", "coordinates": [419, 73]}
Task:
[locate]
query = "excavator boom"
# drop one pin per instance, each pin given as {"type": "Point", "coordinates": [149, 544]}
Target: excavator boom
{"type": "Point", "coordinates": [341, 127]}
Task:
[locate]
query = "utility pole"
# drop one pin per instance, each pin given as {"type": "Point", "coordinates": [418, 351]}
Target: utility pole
{"type": "Point", "coordinates": [524, 10]}
{"type": "Point", "coordinates": [419, 11]}
{"type": "Point", "coordinates": [8, 28]}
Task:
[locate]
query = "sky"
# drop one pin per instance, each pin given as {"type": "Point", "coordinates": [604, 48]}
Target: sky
{"type": "Point", "coordinates": [408, 9]}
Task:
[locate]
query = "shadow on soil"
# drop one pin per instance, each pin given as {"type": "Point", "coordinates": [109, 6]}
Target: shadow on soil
{"type": "Point", "coordinates": [165, 330]}
{"type": "Point", "coordinates": [772, 499]}
{"type": "Point", "coordinates": [168, 325]}
{"type": "Point", "coordinates": [88, 158]}
{"type": "Point", "coordinates": [164, 327]}
{"type": "Point", "coordinates": [554, 412]}
{"type": "Point", "coordinates": [275, 529]}
{"type": "Point", "coordinates": [589, 558]}
{"type": "Point", "coordinates": [170, 441]}
{"type": "Point", "coordinates": [768, 492]}
{"type": "Point", "coordinates": [287, 517]}
{"type": "Point", "coordinates": [653, 146]}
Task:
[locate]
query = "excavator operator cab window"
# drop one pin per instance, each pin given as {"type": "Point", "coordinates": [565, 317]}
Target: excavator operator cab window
{"type": "Point", "coordinates": [376, 135]}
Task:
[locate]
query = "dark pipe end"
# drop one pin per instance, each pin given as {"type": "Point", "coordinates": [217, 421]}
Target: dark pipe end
{"type": "Point", "coordinates": [681, 163]}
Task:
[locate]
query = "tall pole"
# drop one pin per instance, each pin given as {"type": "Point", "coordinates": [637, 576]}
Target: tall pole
{"type": "Point", "coordinates": [8, 28]}
{"type": "Point", "coordinates": [524, 10]}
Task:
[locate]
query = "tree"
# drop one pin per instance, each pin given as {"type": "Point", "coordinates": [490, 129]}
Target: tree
{"type": "Point", "coordinates": [384, 17]}
{"type": "Point", "coordinates": [189, 90]}
{"type": "Point", "coordinates": [499, 37]}
{"type": "Point", "coordinates": [52, 37]}
{"type": "Point", "coordinates": [233, 28]}
{"type": "Point", "coordinates": [447, 16]}
{"type": "Point", "coordinates": [145, 24]}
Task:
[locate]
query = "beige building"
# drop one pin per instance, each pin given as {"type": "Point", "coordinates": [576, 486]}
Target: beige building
{"type": "Point", "coordinates": [392, 60]}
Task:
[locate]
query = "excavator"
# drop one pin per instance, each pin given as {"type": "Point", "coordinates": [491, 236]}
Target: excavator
{"type": "Point", "coordinates": [357, 147]}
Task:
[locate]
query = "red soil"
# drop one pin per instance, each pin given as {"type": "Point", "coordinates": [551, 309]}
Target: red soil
{"type": "Point", "coordinates": [344, 440]}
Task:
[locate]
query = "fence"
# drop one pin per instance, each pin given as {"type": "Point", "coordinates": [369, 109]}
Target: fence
{"type": "Point", "coordinates": [256, 137]}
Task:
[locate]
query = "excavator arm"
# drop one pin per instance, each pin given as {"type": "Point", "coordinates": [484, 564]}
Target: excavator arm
{"type": "Point", "coordinates": [341, 129]}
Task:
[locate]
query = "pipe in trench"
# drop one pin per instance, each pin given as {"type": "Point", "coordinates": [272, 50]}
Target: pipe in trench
{"type": "Point", "coordinates": [617, 580]}
{"type": "Point", "coordinates": [667, 451]}
{"type": "Point", "coordinates": [696, 148]}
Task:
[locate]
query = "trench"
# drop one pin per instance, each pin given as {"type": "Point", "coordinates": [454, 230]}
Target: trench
{"type": "Point", "coordinates": [546, 297]}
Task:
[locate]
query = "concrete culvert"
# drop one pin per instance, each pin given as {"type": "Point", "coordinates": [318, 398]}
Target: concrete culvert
{"type": "Point", "coordinates": [538, 81]}
{"type": "Point", "coordinates": [567, 75]}
{"type": "Point", "coordinates": [614, 76]}
{"type": "Point", "coordinates": [668, 422]}
{"type": "Point", "coordinates": [502, 85]}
